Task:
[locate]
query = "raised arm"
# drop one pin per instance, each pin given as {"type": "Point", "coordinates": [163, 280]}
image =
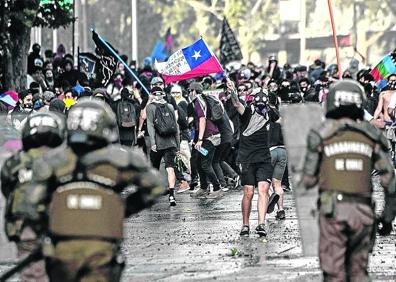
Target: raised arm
{"type": "Point", "coordinates": [234, 97]}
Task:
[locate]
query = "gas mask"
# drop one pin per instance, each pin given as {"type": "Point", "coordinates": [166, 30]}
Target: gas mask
{"type": "Point", "coordinates": [260, 103]}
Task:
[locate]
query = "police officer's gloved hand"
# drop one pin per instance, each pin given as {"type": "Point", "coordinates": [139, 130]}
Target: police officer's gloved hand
{"type": "Point", "coordinates": [384, 227]}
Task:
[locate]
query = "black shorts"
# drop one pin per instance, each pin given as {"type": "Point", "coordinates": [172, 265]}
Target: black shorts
{"type": "Point", "coordinates": [169, 156]}
{"type": "Point", "coordinates": [254, 173]}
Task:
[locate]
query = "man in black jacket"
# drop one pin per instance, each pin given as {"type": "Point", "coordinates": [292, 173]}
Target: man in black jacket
{"type": "Point", "coordinates": [255, 157]}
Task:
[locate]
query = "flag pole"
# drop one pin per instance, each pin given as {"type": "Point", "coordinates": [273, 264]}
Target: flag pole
{"type": "Point", "coordinates": [335, 39]}
{"type": "Point", "coordinates": [122, 61]}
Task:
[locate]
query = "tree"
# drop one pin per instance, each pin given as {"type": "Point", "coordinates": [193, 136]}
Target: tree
{"type": "Point", "coordinates": [17, 19]}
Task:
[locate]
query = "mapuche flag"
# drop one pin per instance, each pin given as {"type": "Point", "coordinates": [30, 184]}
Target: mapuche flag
{"type": "Point", "coordinates": [107, 61]}
{"type": "Point", "coordinates": [386, 67]}
{"type": "Point", "coordinates": [192, 61]}
{"type": "Point", "coordinates": [229, 47]}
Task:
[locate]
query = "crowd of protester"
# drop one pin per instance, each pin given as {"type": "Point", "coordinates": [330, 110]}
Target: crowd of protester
{"type": "Point", "coordinates": [212, 133]}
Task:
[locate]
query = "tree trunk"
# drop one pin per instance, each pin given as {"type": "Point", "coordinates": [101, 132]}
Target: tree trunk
{"type": "Point", "coordinates": [18, 17]}
{"type": "Point", "coordinates": [17, 59]}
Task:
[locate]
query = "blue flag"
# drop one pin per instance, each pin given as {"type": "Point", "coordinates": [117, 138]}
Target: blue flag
{"type": "Point", "coordinates": [159, 52]}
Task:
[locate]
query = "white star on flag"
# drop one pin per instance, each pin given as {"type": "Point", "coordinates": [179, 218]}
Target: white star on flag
{"type": "Point", "coordinates": [197, 54]}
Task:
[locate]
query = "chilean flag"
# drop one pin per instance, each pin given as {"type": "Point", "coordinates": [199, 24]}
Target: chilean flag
{"type": "Point", "coordinates": [192, 61]}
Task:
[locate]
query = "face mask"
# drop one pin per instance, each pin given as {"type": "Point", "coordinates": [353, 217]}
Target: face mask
{"type": "Point", "coordinates": [118, 82]}
{"type": "Point", "coordinates": [392, 85]}
{"type": "Point", "coordinates": [260, 104]}
{"type": "Point", "coordinates": [28, 106]}
{"type": "Point", "coordinates": [304, 89]}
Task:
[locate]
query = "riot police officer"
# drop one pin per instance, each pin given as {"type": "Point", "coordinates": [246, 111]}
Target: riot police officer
{"type": "Point", "coordinates": [340, 157]}
{"type": "Point", "coordinates": [40, 133]}
{"type": "Point", "coordinates": [91, 186]}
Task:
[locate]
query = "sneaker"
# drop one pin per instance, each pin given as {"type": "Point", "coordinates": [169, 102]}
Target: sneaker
{"type": "Point", "coordinates": [273, 199]}
{"type": "Point", "coordinates": [224, 188]}
{"type": "Point", "coordinates": [245, 231]}
{"type": "Point", "coordinates": [194, 185]}
{"type": "Point", "coordinates": [236, 181]}
{"type": "Point", "coordinates": [280, 215]}
{"type": "Point", "coordinates": [199, 193]}
{"type": "Point", "coordinates": [183, 187]}
{"type": "Point", "coordinates": [286, 188]}
{"type": "Point", "coordinates": [172, 201]}
{"type": "Point", "coordinates": [215, 194]}
{"type": "Point", "coordinates": [260, 230]}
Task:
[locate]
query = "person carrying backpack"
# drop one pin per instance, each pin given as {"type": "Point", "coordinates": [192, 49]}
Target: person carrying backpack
{"type": "Point", "coordinates": [127, 112]}
{"type": "Point", "coordinates": [185, 137]}
{"type": "Point", "coordinates": [164, 136]}
{"type": "Point", "coordinates": [207, 137]}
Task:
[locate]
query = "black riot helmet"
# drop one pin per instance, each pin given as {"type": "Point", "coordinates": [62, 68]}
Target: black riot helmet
{"type": "Point", "coordinates": [43, 129]}
{"type": "Point", "coordinates": [91, 124]}
{"type": "Point", "coordinates": [346, 98]}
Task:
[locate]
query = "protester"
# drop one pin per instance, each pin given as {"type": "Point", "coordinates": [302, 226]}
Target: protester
{"type": "Point", "coordinates": [255, 157]}
{"type": "Point", "coordinates": [164, 136]}
{"type": "Point", "coordinates": [127, 112]}
{"type": "Point", "coordinates": [207, 138]}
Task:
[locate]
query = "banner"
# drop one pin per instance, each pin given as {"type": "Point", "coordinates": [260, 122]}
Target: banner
{"type": "Point", "coordinates": [229, 47]}
{"type": "Point", "coordinates": [192, 61]}
{"type": "Point", "coordinates": [107, 61]}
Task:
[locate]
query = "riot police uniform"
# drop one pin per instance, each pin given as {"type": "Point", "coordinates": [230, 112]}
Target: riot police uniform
{"type": "Point", "coordinates": [41, 132]}
{"type": "Point", "coordinates": [91, 186]}
{"type": "Point", "coordinates": [340, 157]}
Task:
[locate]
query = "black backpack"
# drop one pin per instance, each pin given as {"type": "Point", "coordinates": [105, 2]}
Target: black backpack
{"type": "Point", "coordinates": [126, 114]}
{"type": "Point", "coordinates": [215, 109]}
{"type": "Point", "coordinates": [183, 118]}
{"type": "Point", "coordinates": [164, 121]}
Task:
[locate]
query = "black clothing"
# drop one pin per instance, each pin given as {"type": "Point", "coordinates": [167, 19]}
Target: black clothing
{"type": "Point", "coordinates": [72, 77]}
{"type": "Point", "coordinates": [311, 96]}
{"type": "Point", "coordinates": [235, 118]}
{"type": "Point", "coordinates": [254, 148]}
{"type": "Point", "coordinates": [127, 135]}
{"type": "Point", "coordinates": [225, 129]}
{"type": "Point", "coordinates": [275, 134]}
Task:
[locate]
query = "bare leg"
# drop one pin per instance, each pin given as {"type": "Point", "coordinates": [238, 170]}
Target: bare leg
{"type": "Point", "coordinates": [248, 192]}
{"type": "Point", "coordinates": [171, 177]}
{"type": "Point", "coordinates": [277, 184]}
{"type": "Point", "coordinates": [262, 202]}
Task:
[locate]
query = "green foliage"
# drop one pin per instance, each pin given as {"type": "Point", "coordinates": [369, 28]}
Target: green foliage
{"type": "Point", "coordinates": [234, 252]}
{"type": "Point", "coordinates": [54, 13]}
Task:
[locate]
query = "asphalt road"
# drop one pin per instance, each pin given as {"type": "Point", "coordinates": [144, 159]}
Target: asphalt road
{"type": "Point", "coordinates": [198, 240]}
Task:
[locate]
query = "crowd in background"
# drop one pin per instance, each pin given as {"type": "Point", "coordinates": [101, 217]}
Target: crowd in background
{"type": "Point", "coordinates": [55, 84]}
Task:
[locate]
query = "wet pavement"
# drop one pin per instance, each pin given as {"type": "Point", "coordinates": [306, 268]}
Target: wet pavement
{"type": "Point", "coordinates": [199, 240]}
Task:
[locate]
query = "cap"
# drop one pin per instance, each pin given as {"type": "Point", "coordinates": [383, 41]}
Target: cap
{"type": "Point", "coordinates": [196, 86]}
{"type": "Point", "coordinates": [156, 79]}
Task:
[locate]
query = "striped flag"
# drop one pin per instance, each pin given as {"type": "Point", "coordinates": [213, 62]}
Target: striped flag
{"type": "Point", "coordinates": [386, 67]}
